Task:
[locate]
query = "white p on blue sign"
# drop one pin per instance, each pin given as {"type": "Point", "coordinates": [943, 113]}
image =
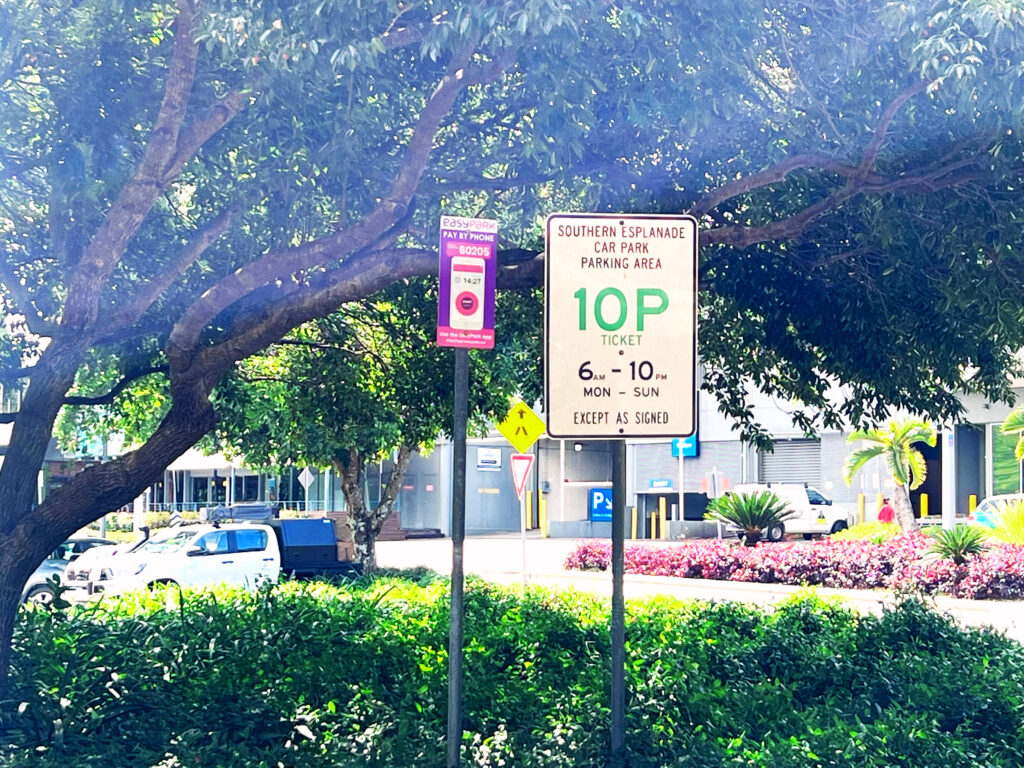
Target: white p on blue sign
{"type": "Point", "coordinates": [600, 505]}
{"type": "Point", "coordinates": [688, 446]}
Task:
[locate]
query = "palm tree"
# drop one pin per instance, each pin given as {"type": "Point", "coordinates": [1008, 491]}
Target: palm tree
{"type": "Point", "coordinates": [905, 462]}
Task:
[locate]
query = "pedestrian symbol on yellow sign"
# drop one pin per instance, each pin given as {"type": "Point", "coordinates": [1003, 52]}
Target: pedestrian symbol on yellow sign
{"type": "Point", "coordinates": [521, 426]}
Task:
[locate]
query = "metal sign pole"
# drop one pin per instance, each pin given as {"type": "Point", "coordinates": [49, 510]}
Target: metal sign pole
{"type": "Point", "coordinates": [458, 538]}
{"type": "Point", "coordinates": [618, 627]}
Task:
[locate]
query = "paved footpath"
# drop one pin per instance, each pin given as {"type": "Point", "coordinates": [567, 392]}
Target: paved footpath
{"type": "Point", "coordinates": [499, 558]}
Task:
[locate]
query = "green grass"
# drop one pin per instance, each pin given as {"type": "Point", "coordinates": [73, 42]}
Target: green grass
{"type": "Point", "coordinates": [321, 675]}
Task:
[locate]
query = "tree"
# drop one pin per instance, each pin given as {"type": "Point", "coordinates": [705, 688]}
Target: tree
{"type": "Point", "coordinates": [184, 183]}
{"type": "Point", "coordinates": [366, 383]}
{"type": "Point", "coordinates": [906, 464]}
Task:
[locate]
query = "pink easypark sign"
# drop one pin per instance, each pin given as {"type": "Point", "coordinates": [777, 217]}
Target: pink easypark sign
{"type": "Point", "coordinates": [468, 266]}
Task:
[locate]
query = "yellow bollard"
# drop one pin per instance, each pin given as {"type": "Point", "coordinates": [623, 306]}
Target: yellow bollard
{"type": "Point", "coordinates": [924, 505]}
{"type": "Point", "coordinates": [633, 522]}
{"type": "Point", "coordinates": [652, 532]}
{"type": "Point", "coordinates": [542, 513]}
{"type": "Point", "coordinates": [529, 510]}
{"type": "Point", "coordinates": [662, 517]}
{"type": "Point", "coordinates": [860, 507]}
{"type": "Point", "coordinates": [878, 504]}
{"type": "Point", "coordinates": [972, 504]}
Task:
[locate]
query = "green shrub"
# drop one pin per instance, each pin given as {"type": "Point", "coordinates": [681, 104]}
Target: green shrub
{"type": "Point", "coordinates": [312, 675]}
{"type": "Point", "coordinates": [957, 543]}
{"type": "Point", "coordinates": [873, 531]}
{"type": "Point", "coordinates": [752, 513]}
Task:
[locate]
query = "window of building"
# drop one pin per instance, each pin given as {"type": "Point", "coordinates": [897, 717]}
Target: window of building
{"type": "Point", "coordinates": [247, 488]}
{"type": "Point", "coordinates": [1006, 470]}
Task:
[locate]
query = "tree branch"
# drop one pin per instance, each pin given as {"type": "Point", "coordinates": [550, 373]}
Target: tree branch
{"type": "Point", "coordinates": [138, 195]}
{"type": "Point", "coordinates": [198, 133]}
{"type": "Point", "coordinates": [22, 300]}
{"type": "Point", "coordinates": [120, 387]}
{"type": "Point", "coordinates": [773, 175]}
{"type": "Point", "coordinates": [155, 286]}
{"type": "Point", "coordinates": [875, 145]}
{"type": "Point", "coordinates": [282, 263]}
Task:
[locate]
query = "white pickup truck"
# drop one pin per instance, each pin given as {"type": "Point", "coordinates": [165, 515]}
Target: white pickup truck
{"type": "Point", "coordinates": [813, 512]}
{"type": "Point", "coordinates": [250, 554]}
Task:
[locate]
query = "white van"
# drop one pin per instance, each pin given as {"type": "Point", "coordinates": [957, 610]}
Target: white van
{"type": "Point", "coordinates": [814, 513]}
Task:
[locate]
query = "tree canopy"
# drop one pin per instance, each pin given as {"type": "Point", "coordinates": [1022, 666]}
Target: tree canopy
{"type": "Point", "coordinates": [367, 383]}
{"type": "Point", "coordinates": [183, 183]}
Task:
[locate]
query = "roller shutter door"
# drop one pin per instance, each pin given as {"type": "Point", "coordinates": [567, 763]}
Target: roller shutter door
{"type": "Point", "coordinates": [794, 461]}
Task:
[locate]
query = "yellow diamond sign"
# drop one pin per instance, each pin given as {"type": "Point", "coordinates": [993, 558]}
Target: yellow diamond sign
{"type": "Point", "coordinates": [522, 426]}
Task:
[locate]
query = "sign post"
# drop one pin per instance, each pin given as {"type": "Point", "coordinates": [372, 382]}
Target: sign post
{"type": "Point", "coordinates": [521, 464]}
{"type": "Point", "coordinates": [521, 427]}
{"type": "Point", "coordinates": [620, 341]}
{"type": "Point", "coordinates": [306, 479]}
{"type": "Point", "coordinates": [467, 267]}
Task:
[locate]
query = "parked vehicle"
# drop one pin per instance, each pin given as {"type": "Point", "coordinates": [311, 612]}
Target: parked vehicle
{"type": "Point", "coordinates": [814, 513]}
{"type": "Point", "coordinates": [39, 587]}
{"type": "Point", "coordinates": [987, 513]}
{"type": "Point", "coordinates": [249, 553]}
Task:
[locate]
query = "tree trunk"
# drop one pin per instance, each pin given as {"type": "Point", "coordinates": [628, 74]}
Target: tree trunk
{"type": "Point", "coordinates": [367, 523]}
{"type": "Point", "coordinates": [86, 497]}
{"type": "Point", "coordinates": [904, 512]}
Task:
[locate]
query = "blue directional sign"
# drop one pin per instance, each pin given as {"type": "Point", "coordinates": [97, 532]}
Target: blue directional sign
{"type": "Point", "coordinates": [689, 446]}
{"type": "Point", "coordinates": [600, 505]}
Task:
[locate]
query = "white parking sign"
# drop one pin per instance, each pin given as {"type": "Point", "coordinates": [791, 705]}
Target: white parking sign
{"type": "Point", "coordinates": [620, 325]}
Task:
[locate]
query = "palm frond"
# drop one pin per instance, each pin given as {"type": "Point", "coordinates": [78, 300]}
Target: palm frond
{"type": "Point", "coordinates": [855, 461]}
{"type": "Point", "coordinates": [918, 469]}
{"type": "Point", "coordinates": [1014, 422]}
{"type": "Point", "coordinates": [1009, 523]}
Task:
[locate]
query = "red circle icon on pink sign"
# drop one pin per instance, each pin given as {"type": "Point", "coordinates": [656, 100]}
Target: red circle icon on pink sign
{"type": "Point", "coordinates": [467, 302]}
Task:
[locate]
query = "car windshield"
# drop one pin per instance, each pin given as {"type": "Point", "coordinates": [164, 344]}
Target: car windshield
{"type": "Point", "coordinates": [171, 543]}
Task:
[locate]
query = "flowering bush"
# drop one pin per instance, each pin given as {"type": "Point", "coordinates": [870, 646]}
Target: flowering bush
{"type": "Point", "coordinates": [900, 562]}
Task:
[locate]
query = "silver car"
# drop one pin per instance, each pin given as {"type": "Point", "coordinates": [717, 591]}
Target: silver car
{"type": "Point", "coordinates": [39, 588]}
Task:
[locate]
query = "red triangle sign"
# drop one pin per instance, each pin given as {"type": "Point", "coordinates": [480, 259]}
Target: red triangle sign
{"type": "Point", "coordinates": [521, 464]}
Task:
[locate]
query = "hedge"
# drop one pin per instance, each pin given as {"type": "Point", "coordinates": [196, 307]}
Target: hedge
{"type": "Point", "coordinates": [306, 675]}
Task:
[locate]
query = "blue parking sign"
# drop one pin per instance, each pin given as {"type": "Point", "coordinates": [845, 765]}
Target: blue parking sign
{"type": "Point", "coordinates": [687, 445]}
{"type": "Point", "coordinates": [600, 504]}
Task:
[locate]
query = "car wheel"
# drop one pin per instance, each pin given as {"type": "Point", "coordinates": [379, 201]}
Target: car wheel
{"type": "Point", "coordinates": [775, 532]}
{"type": "Point", "coordinates": [808, 536]}
{"type": "Point", "coordinates": [837, 526]}
{"type": "Point", "coordinates": [41, 594]}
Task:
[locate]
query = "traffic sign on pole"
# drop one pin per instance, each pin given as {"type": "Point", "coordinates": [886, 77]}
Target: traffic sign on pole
{"type": "Point", "coordinates": [620, 325]}
{"type": "Point", "coordinates": [521, 464]}
{"type": "Point", "coordinates": [521, 426]}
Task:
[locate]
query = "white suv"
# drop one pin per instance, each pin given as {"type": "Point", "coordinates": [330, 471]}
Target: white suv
{"type": "Point", "coordinates": [813, 512]}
